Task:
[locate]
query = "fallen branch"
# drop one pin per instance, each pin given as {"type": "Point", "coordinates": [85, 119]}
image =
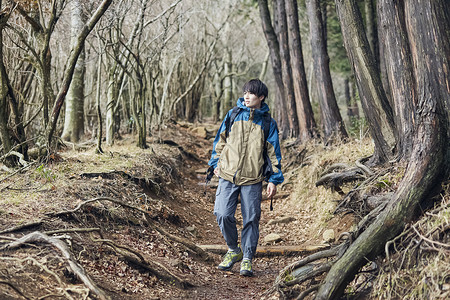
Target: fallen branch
{"type": "Point", "coordinates": [264, 251]}
{"type": "Point", "coordinates": [38, 237]}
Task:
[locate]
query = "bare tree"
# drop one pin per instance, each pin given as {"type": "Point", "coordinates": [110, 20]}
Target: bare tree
{"type": "Point", "coordinates": [74, 108]}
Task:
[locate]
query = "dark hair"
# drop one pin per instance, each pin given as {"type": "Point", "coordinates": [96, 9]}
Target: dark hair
{"type": "Point", "coordinates": [257, 87]}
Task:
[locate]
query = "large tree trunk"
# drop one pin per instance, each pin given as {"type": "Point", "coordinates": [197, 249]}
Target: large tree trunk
{"type": "Point", "coordinates": [306, 122]}
{"type": "Point", "coordinates": [275, 59]}
{"type": "Point", "coordinates": [286, 69]}
{"type": "Point", "coordinates": [74, 112]}
{"type": "Point", "coordinates": [397, 56]}
{"type": "Point", "coordinates": [428, 167]}
{"type": "Point", "coordinates": [373, 98]}
{"type": "Point", "coordinates": [331, 117]}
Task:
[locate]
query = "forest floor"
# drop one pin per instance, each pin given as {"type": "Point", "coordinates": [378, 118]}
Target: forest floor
{"type": "Point", "coordinates": [119, 249]}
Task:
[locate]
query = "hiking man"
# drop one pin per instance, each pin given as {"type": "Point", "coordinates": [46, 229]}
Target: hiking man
{"type": "Point", "coordinates": [246, 151]}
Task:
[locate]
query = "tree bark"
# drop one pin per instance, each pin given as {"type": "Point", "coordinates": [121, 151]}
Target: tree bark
{"type": "Point", "coordinates": [371, 28]}
{"type": "Point", "coordinates": [275, 59]}
{"type": "Point", "coordinates": [428, 167]}
{"type": "Point", "coordinates": [399, 72]}
{"type": "Point", "coordinates": [331, 117]}
{"type": "Point", "coordinates": [373, 98]}
{"type": "Point", "coordinates": [305, 115]}
{"type": "Point", "coordinates": [286, 69]}
{"type": "Point", "coordinates": [74, 110]}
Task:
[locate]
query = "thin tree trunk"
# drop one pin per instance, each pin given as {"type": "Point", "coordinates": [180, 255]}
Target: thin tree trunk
{"type": "Point", "coordinates": [74, 111]}
{"type": "Point", "coordinates": [286, 69]}
{"type": "Point", "coordinates": [373, 98]}
{"type": "Point", "coordinates": [274, 48]}
{"type": "Point", "coordinates": [331, 117]}
{"type": "Point", "coordinates": [306, 122]}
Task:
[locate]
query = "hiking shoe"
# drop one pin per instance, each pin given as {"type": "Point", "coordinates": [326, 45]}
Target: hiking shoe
{"type": "Point", "coordinates": [230, 259]}
{"type": "Point", "coordinates": [246, 268]}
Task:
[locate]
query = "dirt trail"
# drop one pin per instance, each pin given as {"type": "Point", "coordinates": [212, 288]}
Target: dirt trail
{"type": "Point", "coordinates": [161, 180]}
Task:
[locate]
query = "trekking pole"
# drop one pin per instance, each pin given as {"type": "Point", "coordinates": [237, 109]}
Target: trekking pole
{"type": "Point", "coordinates": [271, 203]}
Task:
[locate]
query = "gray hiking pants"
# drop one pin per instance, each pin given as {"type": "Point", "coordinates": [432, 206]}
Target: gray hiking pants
{"type": "Point", "coordinates": [225, 208]}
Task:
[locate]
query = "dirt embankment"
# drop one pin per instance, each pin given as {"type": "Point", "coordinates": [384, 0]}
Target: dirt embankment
{"type": "Point", "coordinates": [129, 221]}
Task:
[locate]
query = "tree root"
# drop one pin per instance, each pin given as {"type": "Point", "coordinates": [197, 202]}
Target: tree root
{"type": "Point", "coordinates": [65, 294]}
{"type": "Point", "coordinates": [17, 290]}
{"type": "Point", "coordinates": [138, 259]}
{"type": "Point", "coordinates": [148, 184]}
{"type": "Point", "coordinates": [38, 237]}
{"type": "Point", "coordinates": [22, 227]}
{"type": "Point", "coordinates": [306, 268]}
{"type": "Point", "coordinates": [197, 250]}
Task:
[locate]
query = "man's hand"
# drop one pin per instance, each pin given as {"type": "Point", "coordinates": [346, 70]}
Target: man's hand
{"type": "Point", "coordinates": [216, 172]}
{"type": "Point", "coordinates": [271, 189]}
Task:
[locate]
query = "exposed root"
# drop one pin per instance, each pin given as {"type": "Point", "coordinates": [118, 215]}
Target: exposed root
{"type": "Point", "coordinates": [78, 270]}
{"type": "Point", "coordinates": [307, 269]}
{"type": "Point", "coordinates": [138, 259]}
{"type": "Point", "coordinates": [22, 227]}
{"type": "Point", "coordinates": [17, 290]}
{"type": "Point", "coordinates": [197, 250]}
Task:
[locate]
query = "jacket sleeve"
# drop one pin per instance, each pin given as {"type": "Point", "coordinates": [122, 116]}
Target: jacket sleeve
{"type": "Point", "coordinates": [274, 153]}
{"type": "Point", "coordinates": [219, 143]}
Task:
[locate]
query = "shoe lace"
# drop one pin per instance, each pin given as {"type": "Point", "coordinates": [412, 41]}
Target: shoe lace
{"type": "Point", "coordinates": [228, 257]}
{"type": "Point", "coordinates": [246, 265]}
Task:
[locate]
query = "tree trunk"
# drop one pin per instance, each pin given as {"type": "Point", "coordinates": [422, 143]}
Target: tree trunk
{"type": "Point", "coordinates": [111, 98]}
{"type": "Point", "coordinates": [371, 28]}
{"type": "Point", "coordinates": [74, 112]}
{"type": "Point", "coordinates": [331, 117]}
{"type": "Point", "coordinates": [286, 69]}
{"type": "Point", "coordinates": [373, 98]}
{"type": "Point", "coordinates": [399, 72]}
{"type": "Point", "coordinates": [4, 115]}
{"type": "Point", "coordinates": [428, 167]}
{"type": "Point", "coordinates": [227, 99]}
{"type": "Point", "coordinates": [275, 59]}
{"type": "Point", "coordinates": [68, 74]}
{"type": "Point", "coordinates": [305, 115]}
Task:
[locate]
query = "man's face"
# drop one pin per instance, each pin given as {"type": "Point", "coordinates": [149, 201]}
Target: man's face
{"type": "Point", "coordinates": [252, 101]}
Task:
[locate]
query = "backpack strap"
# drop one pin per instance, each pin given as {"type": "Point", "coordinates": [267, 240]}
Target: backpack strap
{"type": "Point", "coordinates": [267, 122]}
{"type": "Point", "coordinates": [229, 121]}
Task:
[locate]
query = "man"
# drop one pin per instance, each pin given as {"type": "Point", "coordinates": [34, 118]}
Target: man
{"type": "Point", "coordinates": [238, 161]}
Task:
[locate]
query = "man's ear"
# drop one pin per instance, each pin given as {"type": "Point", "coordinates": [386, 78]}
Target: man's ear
{"type": "Point", "coordinates": [261, 98]}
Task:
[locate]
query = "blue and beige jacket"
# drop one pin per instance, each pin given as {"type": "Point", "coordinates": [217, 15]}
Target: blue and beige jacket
{"type": "Point", "coordinates": [240, 156]}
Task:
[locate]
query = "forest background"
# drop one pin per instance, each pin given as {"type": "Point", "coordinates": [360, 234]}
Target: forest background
{"type": "Point", "coordinates": [77, 71]}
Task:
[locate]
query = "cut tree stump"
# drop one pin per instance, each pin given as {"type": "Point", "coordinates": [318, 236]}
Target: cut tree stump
{"type": "Point", "coordinates": [264, 251]}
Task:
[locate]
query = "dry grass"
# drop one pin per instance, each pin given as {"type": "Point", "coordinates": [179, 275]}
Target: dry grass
{"type": "Point", "coordinates": [418, 265]}
{"type": "Point", "coordinates": [315, 205]}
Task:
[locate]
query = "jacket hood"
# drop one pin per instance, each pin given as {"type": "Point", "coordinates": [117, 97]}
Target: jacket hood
{"type": "Point", "coordinates": [264, 107]}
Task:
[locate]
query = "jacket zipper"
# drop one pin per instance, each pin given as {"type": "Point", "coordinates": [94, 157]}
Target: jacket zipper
{"type": "Point", "coordinates": [241, 161]}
